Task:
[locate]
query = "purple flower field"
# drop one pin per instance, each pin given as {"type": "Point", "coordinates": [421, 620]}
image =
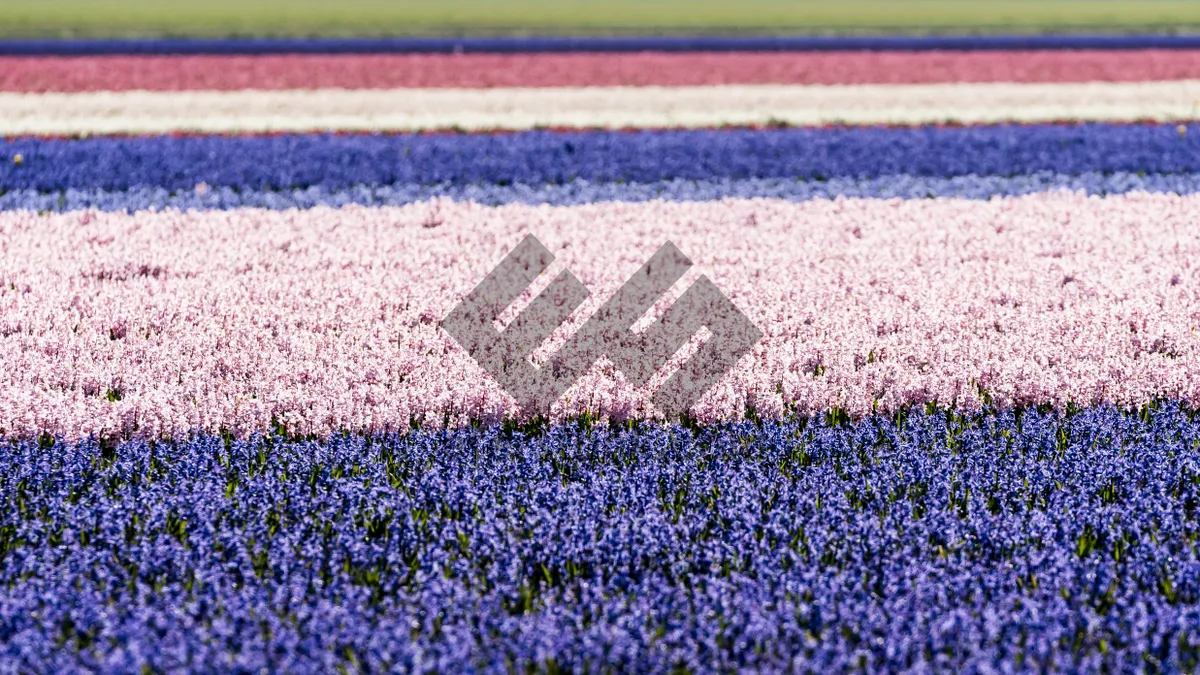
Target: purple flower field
{"type": "Point", "coordinates": [1017, 540]}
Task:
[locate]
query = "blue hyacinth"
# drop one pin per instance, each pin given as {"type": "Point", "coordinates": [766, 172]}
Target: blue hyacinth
{"type": "Point", "coordinates": [989, 542]}
{"type": "Point", "coordinates": [343, 162]}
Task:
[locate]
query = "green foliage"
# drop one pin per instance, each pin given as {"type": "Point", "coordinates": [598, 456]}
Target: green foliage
{"type": "Point", "coordinates": [174, 18]}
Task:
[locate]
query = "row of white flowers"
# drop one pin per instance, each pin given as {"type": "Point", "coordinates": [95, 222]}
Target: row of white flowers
{"type": "Point", "coordinates": [249, 111]}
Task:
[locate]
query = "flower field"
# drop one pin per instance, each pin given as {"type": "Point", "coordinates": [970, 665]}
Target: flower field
{"type": "Point", "coordinates": [1007, 541]}
{"type": "Point", "coordinates": [237, 439]}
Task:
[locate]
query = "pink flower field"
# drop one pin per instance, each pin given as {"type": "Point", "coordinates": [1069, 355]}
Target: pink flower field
{"type": "Point", "coordinates": [327, 319]}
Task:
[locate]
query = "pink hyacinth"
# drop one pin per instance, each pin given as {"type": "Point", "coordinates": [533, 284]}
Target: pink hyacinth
{"type": "Point", "coordinates": [327, 319]}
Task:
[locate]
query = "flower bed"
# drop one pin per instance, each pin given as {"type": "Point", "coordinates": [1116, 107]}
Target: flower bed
{"type": "Point", "coordinates": [328, 161]}
{"type": "Point", "coordinates": [1000, 541]}
{"type": "Point", "coordinates": [327, 319]}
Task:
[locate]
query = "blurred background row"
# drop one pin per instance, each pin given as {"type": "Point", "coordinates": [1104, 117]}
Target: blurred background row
{"type": "Point", "coordinates": [345, 18]}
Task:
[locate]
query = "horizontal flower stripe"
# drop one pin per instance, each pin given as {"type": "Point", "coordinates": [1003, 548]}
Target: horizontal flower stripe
{"type": "Point", "coordinates": [568, 44]}
{"type": "Point", "coordinates": [205, 197]}
{"type": "Point", "coordinates": [387, 71]}
{"type": "Point", "coordinates": [1012, 542]}
{"type": "Point", "coordinates": [323, 320]}
{"type": "Point", "coordinates": [137, 112]}
{"type": "Point", "coordinates": [334, 162]}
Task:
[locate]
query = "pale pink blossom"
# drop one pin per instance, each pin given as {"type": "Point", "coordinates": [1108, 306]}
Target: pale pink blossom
{"type": "Point", "coordinates": [327, 319]}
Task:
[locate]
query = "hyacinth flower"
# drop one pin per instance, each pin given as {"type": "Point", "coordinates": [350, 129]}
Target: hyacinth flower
{"type": "Point", "coordinates": [1014, 540]}
{"type": "Point", "coordinates": [537, 158]}
{"type": "Point", "coordinates": [158, 324]}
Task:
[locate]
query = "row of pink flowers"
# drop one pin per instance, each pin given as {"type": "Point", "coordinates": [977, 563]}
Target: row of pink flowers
{"type": "Point", "coordinates": [176, 73]}
{"type": "Point", "coordinates": [327, 319]}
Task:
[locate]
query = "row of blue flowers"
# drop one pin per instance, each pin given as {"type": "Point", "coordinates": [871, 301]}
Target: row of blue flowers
{"type": "Point", "coordinates": [338, 162]}
{"type": "Point", "coordinates": [585, 192]}
{"type": "Point", "coordinates": [543, 44]}
{"type": "Point", "coordinates": [1021, 540]}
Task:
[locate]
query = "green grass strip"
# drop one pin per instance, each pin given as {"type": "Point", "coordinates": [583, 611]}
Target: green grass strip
{"type": "Point", "coordinates": [374, 18]}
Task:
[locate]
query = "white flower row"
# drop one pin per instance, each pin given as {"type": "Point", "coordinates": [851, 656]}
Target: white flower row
{"type": "Point", "coordinates": [593, 107]}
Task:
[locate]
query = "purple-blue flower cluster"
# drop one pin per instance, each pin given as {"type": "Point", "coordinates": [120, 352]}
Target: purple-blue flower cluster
{"type": "Point", "coordinates": [1018, 540]}
{"type": "Point", "coordinates": [584, 192]}
{"type": "Point", "coordinates": [556, 44]}
{"type": "Point", "coordinates": [337, 162]}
